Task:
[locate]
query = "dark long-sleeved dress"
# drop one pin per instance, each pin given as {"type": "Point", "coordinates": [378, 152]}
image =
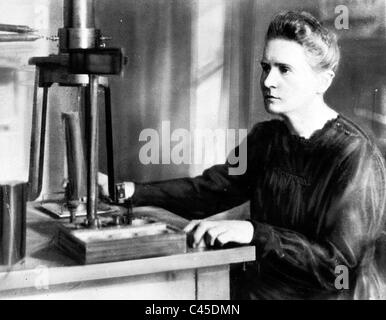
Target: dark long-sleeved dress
{"type": "Point", "coordinates": [315, 204]}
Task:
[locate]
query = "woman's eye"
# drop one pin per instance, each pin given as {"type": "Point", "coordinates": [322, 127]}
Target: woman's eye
{"type": "Point", "coordinates": [284, 69]}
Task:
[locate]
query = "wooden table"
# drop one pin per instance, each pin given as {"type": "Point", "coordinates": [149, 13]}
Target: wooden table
{"type": "Point", "coordinates": [46, 273]}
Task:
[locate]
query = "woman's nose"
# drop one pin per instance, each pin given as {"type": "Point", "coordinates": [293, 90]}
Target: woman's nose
{"type": "Point", "coordinates": [271, 79]}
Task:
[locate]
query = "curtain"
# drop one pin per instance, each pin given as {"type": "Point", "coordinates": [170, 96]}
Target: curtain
{"type": "Point", "coordinates": [240, 67]}
{"type": "Point", "coordinates": [155, 88]}
{"type": "Point", "coordinates": [239, 94]}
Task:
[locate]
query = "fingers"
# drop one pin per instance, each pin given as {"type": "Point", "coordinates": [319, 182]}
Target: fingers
{"type": "Point", "coordinates": [196, 230]}
{"type": "Point", "coordinates": [213, 233]}
{"type": "Point", "coordinates": [201, 233]}
{"type": "Point", "coordinates": [191, 225]}
{"type": "Point", "coordinates": [224, 238]}
{"type": "Point", "coordinates": [201, 244]}
{"type": "Point", "coordinates": [189, 229]}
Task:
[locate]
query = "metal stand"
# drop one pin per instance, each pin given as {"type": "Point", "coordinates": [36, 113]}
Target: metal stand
{"type": "Point", "coordinates": [92, 151]}
{"type": "Point", "coordinates": [46, 75]}
{"type": "Point", "coordinates": [82, 61]}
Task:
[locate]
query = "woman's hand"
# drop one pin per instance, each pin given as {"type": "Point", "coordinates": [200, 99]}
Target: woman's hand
{"type": "Point", "coordinates": [211, 233]}
{"type": "Point", "coordinates": [103, 186]}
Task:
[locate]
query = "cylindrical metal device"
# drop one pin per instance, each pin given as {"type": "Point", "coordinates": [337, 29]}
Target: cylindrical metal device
{"type": "Point", "coordinates": [79, 14]}
{"type": "Point", "coordinates": [12, 223]}
{"type": "Point", "coordinates": [92, 152]}
{"type": "Point", "coordinates": [79, 30]}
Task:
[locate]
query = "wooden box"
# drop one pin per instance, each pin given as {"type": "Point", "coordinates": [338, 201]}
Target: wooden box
{"type": "Point", "coordinates": [108, 244]}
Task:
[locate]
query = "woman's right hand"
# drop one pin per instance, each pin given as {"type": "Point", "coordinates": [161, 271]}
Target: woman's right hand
{"type": "Point", "coordinates": [103, 184]}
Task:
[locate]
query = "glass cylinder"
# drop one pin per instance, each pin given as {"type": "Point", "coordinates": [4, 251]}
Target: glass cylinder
{"type": "Point", "coordinates": [16, 98]}
{"type": "Point", "coordinates": [12, 223]}
{"type": "Point", "coordinates": [16, 101]}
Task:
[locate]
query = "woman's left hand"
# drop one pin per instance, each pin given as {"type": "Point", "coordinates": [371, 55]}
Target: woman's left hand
{"type": "Point", "coordinates": [210, 233]}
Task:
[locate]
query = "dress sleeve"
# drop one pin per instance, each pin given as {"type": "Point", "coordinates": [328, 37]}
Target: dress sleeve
{"type": "Point", "coordinates": [348, 223]}
{"type": "Point", "coordinates": [216, 190]}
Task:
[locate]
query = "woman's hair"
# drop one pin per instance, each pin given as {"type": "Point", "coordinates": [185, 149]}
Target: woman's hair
{"type": "Point", "coordinates": [320, 44]}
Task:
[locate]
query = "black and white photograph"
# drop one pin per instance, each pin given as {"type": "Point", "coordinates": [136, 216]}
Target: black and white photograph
{"type": "Point", "coordinates": [182, 150]}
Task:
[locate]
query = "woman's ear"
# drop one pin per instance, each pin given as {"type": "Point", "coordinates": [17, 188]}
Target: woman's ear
{"type": "Point", "coordinates": [325, 80]}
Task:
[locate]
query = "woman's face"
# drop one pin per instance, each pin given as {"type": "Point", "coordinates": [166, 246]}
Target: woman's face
{"type": "Point", "coordinates": [288, 82]}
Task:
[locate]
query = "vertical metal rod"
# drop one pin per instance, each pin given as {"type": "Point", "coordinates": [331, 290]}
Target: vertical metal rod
{"type": "Point", "coordinates": [35, 138]}
{"type": "Point", "coordinates": [43, 136]}
{"type": "Point", "coordinates": [79, 14]}
{"type": "Point", "coordinates": [38, 133]}
{"type": "Point", "coordinates": [86, 120]}
{"type": "Point", "coordinates": [92, 161]}
{"type": "Point", "coordinates": [109, 141]}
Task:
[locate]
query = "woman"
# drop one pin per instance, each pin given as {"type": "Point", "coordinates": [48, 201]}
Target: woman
{"type": "Point", "coordinates": [314, 179]}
